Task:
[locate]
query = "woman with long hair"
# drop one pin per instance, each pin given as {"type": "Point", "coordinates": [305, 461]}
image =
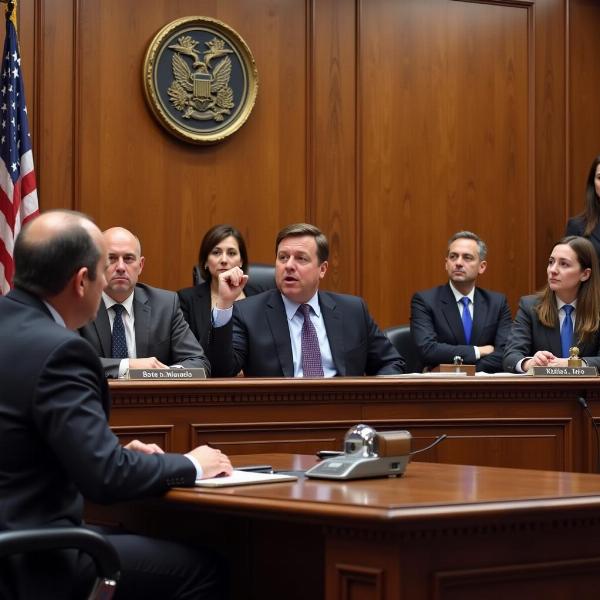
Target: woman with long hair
{"type": "Point", "coordinates": [565, 313]}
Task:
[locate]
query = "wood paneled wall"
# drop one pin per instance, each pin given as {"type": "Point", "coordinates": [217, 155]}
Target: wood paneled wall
{"type": "Point", "coordinates": [390, 124]}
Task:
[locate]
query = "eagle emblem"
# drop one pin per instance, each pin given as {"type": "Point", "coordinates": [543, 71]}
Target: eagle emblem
{"type": "Point", "coordinates": [201, 92]}
{"type": "Point", "coordinates": [200, 79]}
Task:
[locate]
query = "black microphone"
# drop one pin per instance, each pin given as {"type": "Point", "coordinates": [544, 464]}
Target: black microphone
{"type": "Point", "coordinates": [585, 406]}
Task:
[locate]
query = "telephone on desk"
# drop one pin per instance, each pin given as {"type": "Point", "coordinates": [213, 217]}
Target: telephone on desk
{"type": "Point", "coordinates": [368, 453]}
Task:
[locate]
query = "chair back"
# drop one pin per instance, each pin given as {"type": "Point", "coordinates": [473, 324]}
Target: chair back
{"type": "Point", "coordinates": [261, 277]}
{"type": "Point", "coordinates": [402, 340]}
{"type": "Point", "coordinates": [95, 545]}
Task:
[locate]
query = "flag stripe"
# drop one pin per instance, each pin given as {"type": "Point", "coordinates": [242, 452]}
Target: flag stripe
{"type": "Point", "coordinates": [18, 190]}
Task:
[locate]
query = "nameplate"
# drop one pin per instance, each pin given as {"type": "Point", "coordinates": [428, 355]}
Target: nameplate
{"type": "Point", "coordinates": [167, 374]}
{"type": "Point", "coordinates": [467, 369]}
{"type": "Point", "coordinates": [564, 371]}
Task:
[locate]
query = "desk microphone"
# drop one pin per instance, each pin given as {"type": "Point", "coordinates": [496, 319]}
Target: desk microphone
{"type": "Point", "coordinates": [584, 404]}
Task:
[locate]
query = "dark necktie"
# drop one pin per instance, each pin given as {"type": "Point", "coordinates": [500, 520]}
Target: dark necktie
{"type": "Point", "coordinates": [309, 343]}
{"type": "Point", "coordinates": [566, 331]}
{"type": "Point", "coordinates": [119, 341]}
{"type": "Point", "coordinates": [466, 319]}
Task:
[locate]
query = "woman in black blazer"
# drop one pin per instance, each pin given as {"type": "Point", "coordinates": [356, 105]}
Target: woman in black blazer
{"type": "Point", "coordinates": [222, 248]}
{"type": "Point", "coordinates": [574, 282]}
{"type": "Point", "coordinates": [587, 223]}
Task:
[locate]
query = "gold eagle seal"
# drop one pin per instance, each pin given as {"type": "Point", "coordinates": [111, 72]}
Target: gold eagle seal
{"type": "Point", "coordinates": [200, 79]}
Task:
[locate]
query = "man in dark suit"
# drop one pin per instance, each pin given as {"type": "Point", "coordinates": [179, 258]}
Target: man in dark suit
{"type": "Point", "coordinates": [297, 330]}
{"type": "Point", "coordinates": [440, 327]}
{"type": "Point", "coordinates": [55, 442]}
{"type": "Point", "coordinates": [156, 333]}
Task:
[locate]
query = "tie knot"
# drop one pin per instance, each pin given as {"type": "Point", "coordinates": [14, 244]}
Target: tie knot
{"type": "Point", "coordinates": [568, 309]}
{"type": "Point", "coordinates": [118, 308]}
{"type": "Point", "coordinates": [305, 310]}
{"type": "Point", "coordinates": [465, 301]}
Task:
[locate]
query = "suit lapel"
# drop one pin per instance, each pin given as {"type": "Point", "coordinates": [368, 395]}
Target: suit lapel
{"type": "Point", "coordinates": [334, 326]}
{"type": "Point", "coordinates": [142, 313]}
{"type": "Point", "coordinates": [102, 327]}
{"type": "Point", "coordinates": [480, 316]}
{"type": "Point", "coordinates": [277, 320]}
{"type": "Point", "coordinates": [452, 315]}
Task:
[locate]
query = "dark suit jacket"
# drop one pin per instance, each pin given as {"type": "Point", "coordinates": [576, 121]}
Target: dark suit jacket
{"type": "Point", "coordinates": [528, 335]}
{"type": "Point", "coordinates": [257, 339]}
{"type": "Point", "coordinates": [55, 442]}
{"type": "Point", "coordinates": [576, 226]}
{"type": "Point", "coordinates": [196, 307]}
{"type": "Point", "coordinates": [160, 330]}
{"type": "Point", "coordinates": [438, 333]}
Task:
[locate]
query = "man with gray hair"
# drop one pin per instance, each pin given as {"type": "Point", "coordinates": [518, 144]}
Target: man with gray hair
{"type": "Point", "coordinates": [458, 318]}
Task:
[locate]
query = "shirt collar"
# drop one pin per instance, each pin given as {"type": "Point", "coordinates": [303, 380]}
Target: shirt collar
{"type": "Point", "coordinates": [291, 307]}
{"type": "Point", "coordinates": [458, 295]}
{"type": "Point", "coordinates": [55, 314]}
{"type": "Point", "coordinates": [127, 303]}
{"type": "Point", "coordinates": [560, 303]}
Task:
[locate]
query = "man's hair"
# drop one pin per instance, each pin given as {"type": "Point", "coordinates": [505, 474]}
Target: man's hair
{"type": "Point", "coordinates": [300, 229]}
{"type": "Point", "coordinates": [45, 267]}
{"type": "Point", "coordinates": [469, 235]}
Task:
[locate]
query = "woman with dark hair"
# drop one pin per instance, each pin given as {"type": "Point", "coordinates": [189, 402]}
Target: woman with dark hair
{"type": "Point", "coordinates": [222, 248]}
{"type": "Point", "coordinates": [587, 223]}
{"type": "Point", "coordinates": [565, 313]}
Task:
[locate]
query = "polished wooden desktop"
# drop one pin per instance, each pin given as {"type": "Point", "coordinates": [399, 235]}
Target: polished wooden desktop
{"type": "Point", "coordinates": [522, 422]}
{"type": "Point", "coordinates": [440, 532]}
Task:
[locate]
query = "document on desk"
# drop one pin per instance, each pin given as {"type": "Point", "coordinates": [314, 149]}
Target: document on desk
{"type": "Point", "coordinates": [244, 478]}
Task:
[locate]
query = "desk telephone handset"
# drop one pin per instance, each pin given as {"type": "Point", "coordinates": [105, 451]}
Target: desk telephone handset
{"type": "Point", "coordinates": [368, 453]}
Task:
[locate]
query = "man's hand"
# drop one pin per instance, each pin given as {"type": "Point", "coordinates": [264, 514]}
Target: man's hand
{"type": "Point", "coordinates": [542, 358]}
{"type": "Point", "coordinates": [231, 284]}
{"type": "Point", "coordinates": [138, 446]}
{"type": "Point", "coordinates": [146, 363]}
{"type": "Point", "coordinates": [485, 350]}
{"type": "Point", "coordinates": [212, 461]}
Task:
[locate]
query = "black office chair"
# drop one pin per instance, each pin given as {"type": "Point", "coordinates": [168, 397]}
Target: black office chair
{"type": "Point", "coordinates": [402, 341]}
{"type": "Point", "coordinates": [105, 557]}
{"type": "Point", "coordinates": [261, 277]}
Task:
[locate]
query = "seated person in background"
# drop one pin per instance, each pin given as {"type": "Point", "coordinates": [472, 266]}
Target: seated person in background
{"type": "Point", "coordinates": [138, 326]}
{"type": "Point", "coordinates": [296, 330]}
{"type": "Point", "coordinates": [565, 313]}
{"type": "Point", "coordinates": [587, 224]}
{"type": "Point", "coordinates": [55, 442]}
{"type": "Point", "coordinates": [222, 248]}
{"type": "Point", "coordinates": [459, 319]}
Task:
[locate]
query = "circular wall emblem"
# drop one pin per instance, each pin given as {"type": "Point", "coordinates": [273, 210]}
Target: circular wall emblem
{"type": "Point", "coordinates": [200, 79]}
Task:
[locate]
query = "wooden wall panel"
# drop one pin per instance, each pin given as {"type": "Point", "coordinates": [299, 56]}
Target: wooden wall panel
{"type": "Point", "coordinates": [584, 69]}
{"type": "Point", "coordinates": [446, 138]}
{"type": "Point", "coordinates": [389, 124]}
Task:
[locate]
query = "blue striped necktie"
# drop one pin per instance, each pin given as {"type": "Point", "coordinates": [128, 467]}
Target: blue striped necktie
{"type": "Point", "coordinates": [466, 319]}
{"type": "Point", "coordinates": [566, 331]}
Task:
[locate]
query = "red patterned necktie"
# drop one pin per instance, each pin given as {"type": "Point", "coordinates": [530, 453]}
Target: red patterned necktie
{"type": "Point", "coordinates": [311, 353]}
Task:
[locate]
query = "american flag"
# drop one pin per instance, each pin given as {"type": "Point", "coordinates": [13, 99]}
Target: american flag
{"type": "Point", "coordinates": [18, 194]}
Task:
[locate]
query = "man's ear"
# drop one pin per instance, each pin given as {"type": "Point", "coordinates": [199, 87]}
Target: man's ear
{"type": "Point", "coordinates": [142, 261]}
{"type": "Point", "coordinates": [323, 269]}
{"type": "Point", "coordinates": [482, 267]}
{"type": "Point", "coordinates": [79, 281]}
